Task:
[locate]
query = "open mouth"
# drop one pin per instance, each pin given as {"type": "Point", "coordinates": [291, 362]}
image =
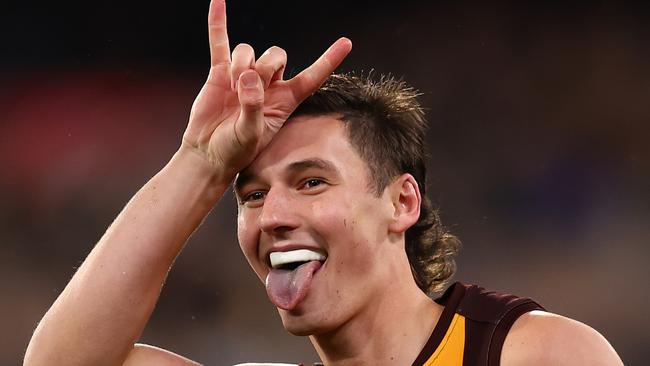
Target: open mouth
{"type": "Point", "coordinates": [293, 259]}
{"type": "Point", "coordinates": [291, 275]}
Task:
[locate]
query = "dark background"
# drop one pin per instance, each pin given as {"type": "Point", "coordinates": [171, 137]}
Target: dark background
{"type": "Point", "coordinates": [539, 149]}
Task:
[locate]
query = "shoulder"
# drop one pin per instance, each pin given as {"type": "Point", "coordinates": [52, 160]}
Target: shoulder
{"type": "Point", "coordinates": [542, 338]}
{"type": "Point", "coordinates": [144, 355]}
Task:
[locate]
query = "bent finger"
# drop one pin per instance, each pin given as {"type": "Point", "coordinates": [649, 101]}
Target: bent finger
{"type": "Point", "coordinates": [243, 58]}
{"type": "Point", "coordinates": [270, 66]}
{"type": "Point", "coordinates": [251, 99]}
{"type": "Point", "coordinates": [311, 78]}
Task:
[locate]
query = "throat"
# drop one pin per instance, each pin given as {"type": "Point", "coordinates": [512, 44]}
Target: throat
{"type": "Point", "coordinates": [389, 333]}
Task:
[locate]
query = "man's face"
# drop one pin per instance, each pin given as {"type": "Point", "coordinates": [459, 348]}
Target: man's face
{"type": "Point", "coordinates": [309, 189]}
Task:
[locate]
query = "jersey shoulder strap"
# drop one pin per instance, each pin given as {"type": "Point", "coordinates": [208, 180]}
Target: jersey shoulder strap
{"type": "Point", "coordinates": [473, 326]}
{"type": "Point", "coordinates": [489, 316]}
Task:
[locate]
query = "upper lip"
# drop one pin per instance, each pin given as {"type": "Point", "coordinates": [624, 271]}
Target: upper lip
{"type": "Point", "coordinates": [288, 247]}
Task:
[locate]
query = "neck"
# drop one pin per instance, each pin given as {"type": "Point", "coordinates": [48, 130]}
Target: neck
{"type": "Point", "coordinates": [391, 330]}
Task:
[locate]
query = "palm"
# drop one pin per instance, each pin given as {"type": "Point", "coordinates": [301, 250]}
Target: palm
{"type": "Point", "coordinates": [215, 118]}
{"type": "Point", "coordinates": [219, 129]}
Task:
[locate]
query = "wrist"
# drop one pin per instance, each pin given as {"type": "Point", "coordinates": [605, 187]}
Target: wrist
{"type": "Point", "coordinates": [193, 168]}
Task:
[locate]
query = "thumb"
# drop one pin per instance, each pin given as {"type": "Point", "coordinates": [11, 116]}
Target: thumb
{"type": "Point", "coordinates": [251, 97]}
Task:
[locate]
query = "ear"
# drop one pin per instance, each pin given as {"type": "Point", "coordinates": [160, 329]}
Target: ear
{"type": "Point", "coordinates": [406, 198]}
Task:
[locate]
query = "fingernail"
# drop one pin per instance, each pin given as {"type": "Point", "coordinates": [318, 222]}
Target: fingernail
{"type": "Point", "coordinates": [249, 80]}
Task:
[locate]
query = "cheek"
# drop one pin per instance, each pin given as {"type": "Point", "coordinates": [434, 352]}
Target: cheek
{"type": "Point", "coordinates": [247, 235]}
{"type": "Point", "coordinates": [330, 219]}
{"type": "Point", "coordinates": [346, 232]}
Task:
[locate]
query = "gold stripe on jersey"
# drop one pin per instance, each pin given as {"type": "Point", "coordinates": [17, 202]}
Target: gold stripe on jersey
{"type": "Point", "coordinates": [451, 348]}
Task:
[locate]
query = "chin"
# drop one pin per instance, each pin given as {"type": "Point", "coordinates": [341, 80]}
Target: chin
{"type": "Point", "coordinates": [302, 324]}
{"type": "Point", "coordinates": [301, 331]}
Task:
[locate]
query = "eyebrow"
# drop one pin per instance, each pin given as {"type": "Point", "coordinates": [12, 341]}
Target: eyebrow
{"type": "Point", "coordinates": [244, 177]}
{"type": "Point", "coordinates": [316, 163]}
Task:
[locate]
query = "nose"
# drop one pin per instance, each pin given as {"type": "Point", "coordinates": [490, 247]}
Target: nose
{"type": "Point", "coordinates": [279, 212]}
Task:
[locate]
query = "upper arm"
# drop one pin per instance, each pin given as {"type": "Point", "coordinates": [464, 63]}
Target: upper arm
{"type": "Point", "coordinates": [145, 355]}
{"type": "Point", "coordinates": [541, 338]}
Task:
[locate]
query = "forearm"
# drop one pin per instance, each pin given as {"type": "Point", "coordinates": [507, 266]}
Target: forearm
{"type": "Point", "coordinates": [106, 305]}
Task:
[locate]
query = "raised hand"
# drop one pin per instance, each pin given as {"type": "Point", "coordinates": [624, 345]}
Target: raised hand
{"type": "Point", "coordinates": [242, 105]}
{"type": "Point", "coordinates": [244, 101]}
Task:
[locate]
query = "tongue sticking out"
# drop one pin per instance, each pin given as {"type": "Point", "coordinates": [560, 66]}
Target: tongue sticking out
{"type": "Point", "coordinates": [286, 288]}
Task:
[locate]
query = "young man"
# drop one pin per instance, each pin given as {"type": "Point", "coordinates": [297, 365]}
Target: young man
{"type": "Point", "coordinates": [332, 217]}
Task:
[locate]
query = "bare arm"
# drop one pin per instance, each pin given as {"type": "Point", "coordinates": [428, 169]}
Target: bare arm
{"type": "Point", "coordinates": [103, 310]}
{"type": "Point", "coordinates": [144, 355]}
{"type": "Point", "coordinates": [541, 338]}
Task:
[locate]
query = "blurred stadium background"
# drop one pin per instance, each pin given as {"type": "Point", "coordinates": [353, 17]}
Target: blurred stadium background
{"type": "Point", "coordinates": [540, 153]}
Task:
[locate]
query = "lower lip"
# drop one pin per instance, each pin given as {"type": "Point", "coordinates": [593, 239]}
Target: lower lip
{"type": "Point", "coordinates": [323, 263]}
{"type": "Point", "coordinates": [316, 273]}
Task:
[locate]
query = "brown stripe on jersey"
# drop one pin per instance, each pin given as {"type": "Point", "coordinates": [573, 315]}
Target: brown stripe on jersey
{"type": "Point", "coordinates": [501, 331]}
{"type": "Point", "coordinates": [489, 316]}
{"type": "Point", "coordinates": [450, 300]}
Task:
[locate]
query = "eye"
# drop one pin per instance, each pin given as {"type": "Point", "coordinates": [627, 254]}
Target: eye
{"type": "Point", "coordinates": [312, 182]}
{"type": "Point", "coordinates": [254, 196]}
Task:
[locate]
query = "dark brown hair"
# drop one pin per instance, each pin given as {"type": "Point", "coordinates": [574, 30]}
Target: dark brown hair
{"type": "Point", "coordinates": [385, 124]}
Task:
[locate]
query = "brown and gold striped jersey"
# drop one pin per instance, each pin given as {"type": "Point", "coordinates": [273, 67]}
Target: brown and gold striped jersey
{"type": "Point", "coordinates": [472, 327]}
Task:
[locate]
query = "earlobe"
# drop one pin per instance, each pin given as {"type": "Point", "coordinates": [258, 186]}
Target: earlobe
{"type": "Point", "coordinates": [406, 202]}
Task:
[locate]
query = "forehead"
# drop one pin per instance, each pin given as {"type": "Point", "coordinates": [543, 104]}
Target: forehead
{"type": "Point", "coordinates": [306, 137]}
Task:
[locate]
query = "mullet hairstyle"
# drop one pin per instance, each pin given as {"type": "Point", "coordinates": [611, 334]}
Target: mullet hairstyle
{"type": "Point", "coordinates": [386, 126]}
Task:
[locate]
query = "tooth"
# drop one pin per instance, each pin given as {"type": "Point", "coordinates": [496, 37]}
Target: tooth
{"type": "Point", "coordinates": [300, 255]}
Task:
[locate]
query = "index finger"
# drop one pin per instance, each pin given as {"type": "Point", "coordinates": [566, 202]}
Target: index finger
{"type": "Point", "coordinates": [315, 75]}
{"type": "Point", "coordinates": [218, 33]}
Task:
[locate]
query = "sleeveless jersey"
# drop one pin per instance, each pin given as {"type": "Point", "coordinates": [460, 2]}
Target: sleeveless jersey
{"type": "Point", "coordinates": [472, 327]}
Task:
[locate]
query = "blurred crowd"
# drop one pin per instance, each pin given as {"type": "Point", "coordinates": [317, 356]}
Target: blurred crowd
{"type": "Point", "coordinates": [539, 154]}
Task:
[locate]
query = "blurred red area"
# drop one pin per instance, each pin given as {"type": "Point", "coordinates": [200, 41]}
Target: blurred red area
{"type": "Point", "coordinates": [67, 131]}
{"type": "Point", "coordinates": [539, 149]}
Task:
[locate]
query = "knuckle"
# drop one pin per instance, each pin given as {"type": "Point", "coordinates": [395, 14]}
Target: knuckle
{"type": "Point", "coordinates": [252, 99]}
{"type": "Point", "coordinates": [254, 105]}
{"type": "Point", "coordinates": [244, 47]}
{"type": "Point", "coordinates": [216, 27]}
{"type": "Point", "coordinates": [257, 100]}
{"type": "Point", "coordinates": [243, 51]}
{"type": "Point", "coordinates": [263, 68]}
{"type": "Point", "coordinates": [278, 50]}
{"type": "Point", "coordinates": [216, 70]}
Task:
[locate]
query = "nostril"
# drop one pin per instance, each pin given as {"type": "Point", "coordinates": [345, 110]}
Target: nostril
{"type": "Point", "coordinates": [278, 229]}
{"type": "Point", "coordinates": [277, 215]}
{"type": "Point", "coordinates": [282, 229]}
